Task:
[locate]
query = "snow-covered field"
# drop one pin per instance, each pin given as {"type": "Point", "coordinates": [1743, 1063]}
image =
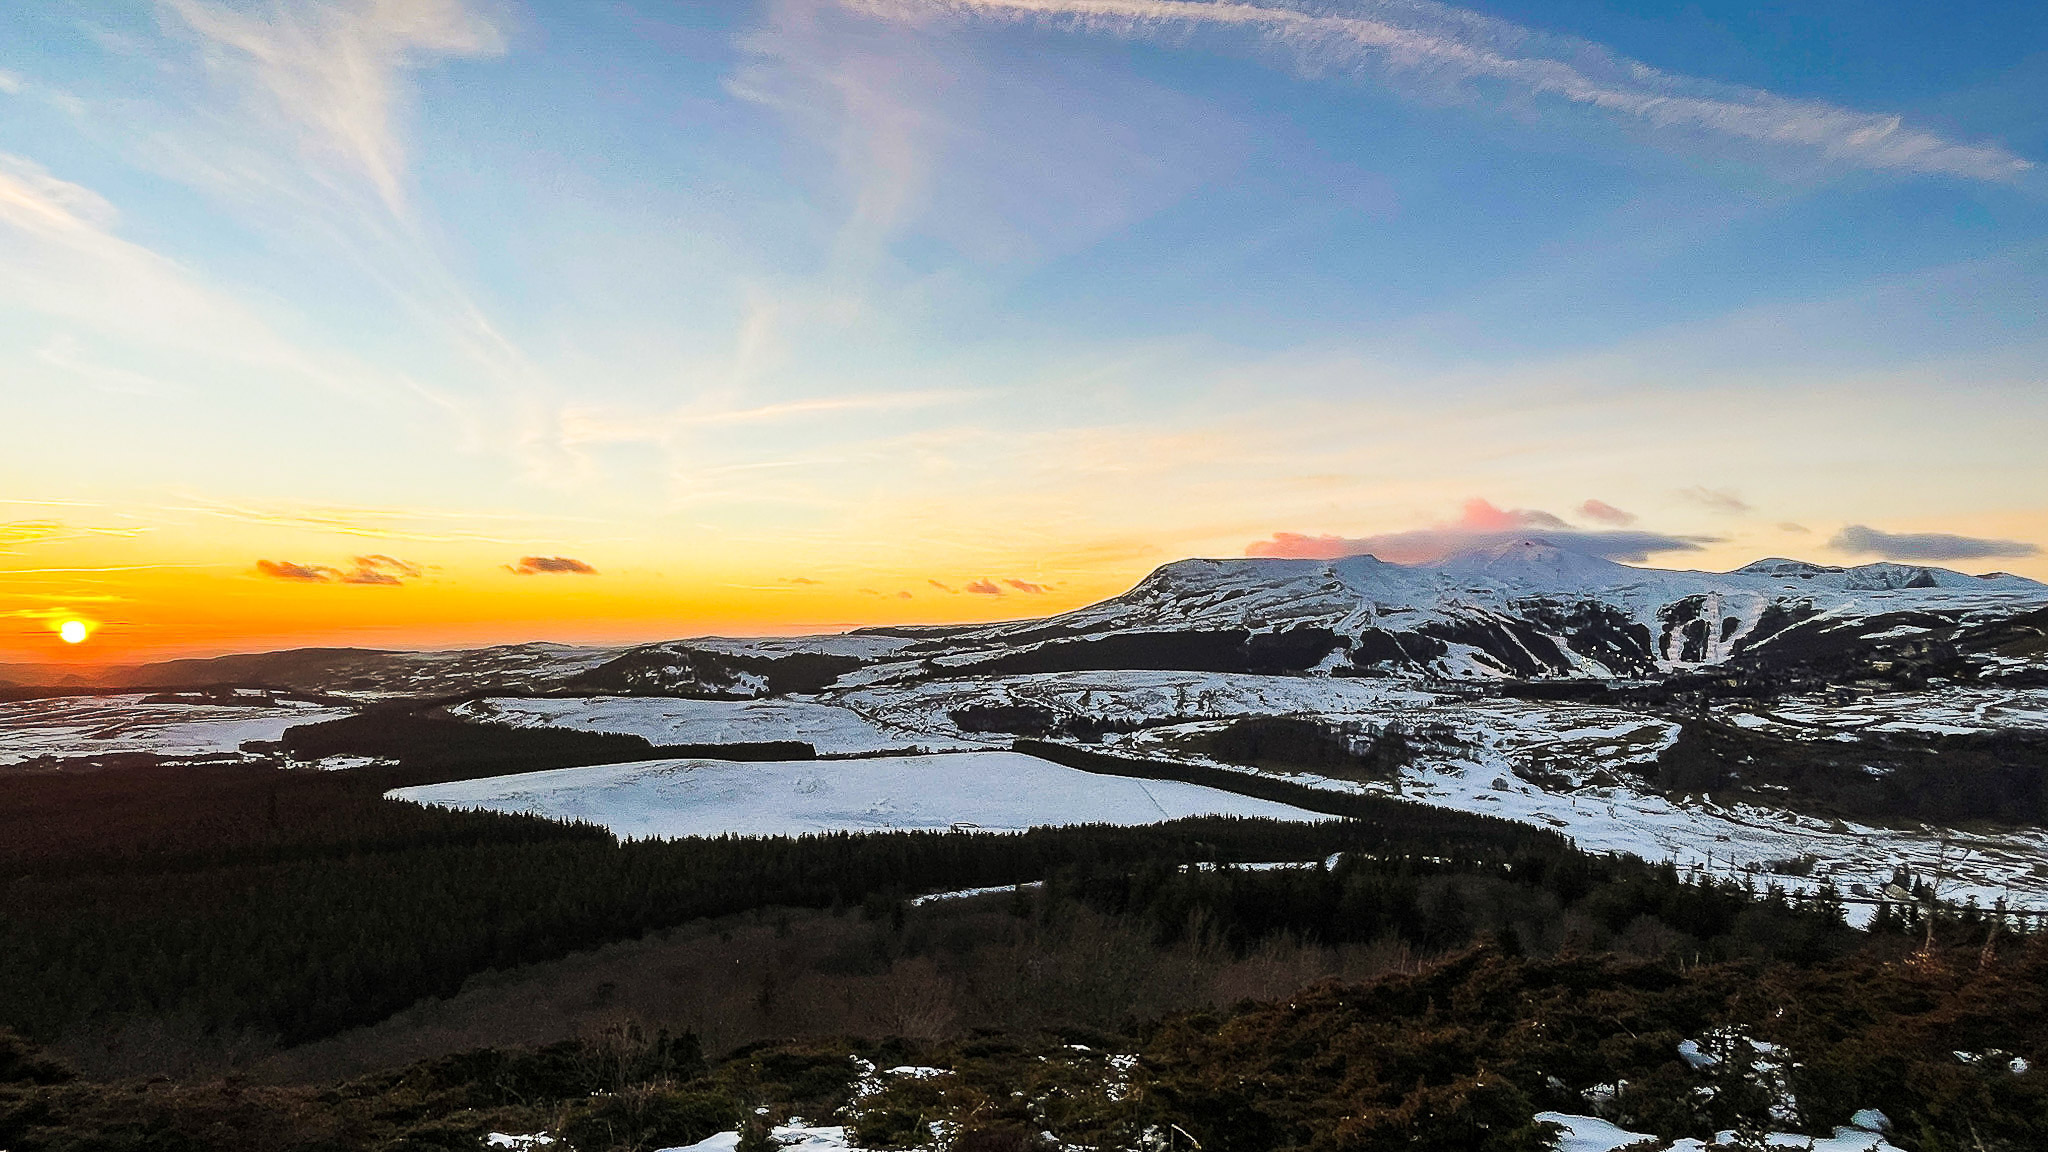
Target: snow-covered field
{"type": "Point", "coordinates": [1950, 710]}
{"type": "Point", "coordinates": [100, 725]}
{"type": "Point", "coordinates": [1600, 750]}
{"type": "Point", "coordinates": [666, 720]}
{"type": "Point", "coordinates": [1132, 696]}
{"type": "Point", "coordinates": [1610, 810]}
{"type": "Point", "coordinates": [996, 791]}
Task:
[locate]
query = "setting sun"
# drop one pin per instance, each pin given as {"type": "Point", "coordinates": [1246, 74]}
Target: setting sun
{"type": "Point", "coordinates": [73, 631]}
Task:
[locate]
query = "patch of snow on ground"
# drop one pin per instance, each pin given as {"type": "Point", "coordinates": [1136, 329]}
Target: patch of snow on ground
{"type": "Point", "coordinates": [996, 791]}
{"type": "Point", "coordinates": [968, 893]}
{"type": "Point", "coordinates": [666, 720]}
{"type": "Point", "coordinates": [1592, 1134]}
{"type": "Point", "coordinates": [797, 1137]}
{"type": "Point", "coordinates": [102, 725]}
{"type": "Point", "coordinates": [1946, 710]}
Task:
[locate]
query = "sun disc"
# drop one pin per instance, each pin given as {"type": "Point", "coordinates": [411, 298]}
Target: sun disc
{"type": "Point", "coordinates": [72, 631]}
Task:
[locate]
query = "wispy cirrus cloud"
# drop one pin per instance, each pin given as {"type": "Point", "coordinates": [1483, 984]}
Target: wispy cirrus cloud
{"type": "Point", "coordinates": [1719, 499]}
{"type": "Point", "coordinates": [1421, 45]}
{"type": "Point", "coordinates": [1863, 540]}
{"type": "Point", "coordinates": [1479, 525]}
{"type": "Point", "coordinates": [333, 68]}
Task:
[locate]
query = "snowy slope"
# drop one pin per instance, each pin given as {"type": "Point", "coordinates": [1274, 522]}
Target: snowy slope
{"type": "Point", "coordinates": [669, 720]}
{"type": "Point", "coordinates": [102, 725]}
{"type": "Point", "coordinates": [996, 791]}
{"type": "Point", "coordinates": [1527, 608]}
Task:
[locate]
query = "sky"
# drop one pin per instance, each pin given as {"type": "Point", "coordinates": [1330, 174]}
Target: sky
{"type": "Point", "coordinates": [415, 323]}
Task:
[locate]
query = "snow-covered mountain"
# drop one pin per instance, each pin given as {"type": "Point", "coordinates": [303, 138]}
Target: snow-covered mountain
{"type": "Point", "coordinates": [1527, 608]}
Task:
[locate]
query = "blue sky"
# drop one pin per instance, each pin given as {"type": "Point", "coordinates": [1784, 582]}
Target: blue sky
{"type": "Point", "coordinates": [891, 295]}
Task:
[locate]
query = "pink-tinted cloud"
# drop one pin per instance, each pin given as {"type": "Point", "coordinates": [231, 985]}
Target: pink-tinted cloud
{"type": "Point", "coordinates": [1027, 587]}
{"type": "Point", "coordinates": [1606, 513]}
{"type": "Point", "coordinates": [1479, 525]}
{"type": "Point", "coordinates": [1480, 516]}
{"type": "Point", "coordinates": [800, 580]}
{"type": "Point", "coordinates": [551, 565]}
{"type": "Point", "coordinates": [942, 587]}
{"type": "Point", "coordinates": [984, 588]}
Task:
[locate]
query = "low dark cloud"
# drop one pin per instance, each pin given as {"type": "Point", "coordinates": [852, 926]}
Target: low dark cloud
{"type": "Point", "coordinates": [375, 569]}
{"type": "Point", "coordinates": [378, 562]}
{"type": "Point", "coordinates": [942, 587]}
{"type": "Point", "coordinates": [551, 566]}
{"type": "Point", "coordinates": [1027, 587]}
{"type": "Point", "coordinates": [1606, 513]}
{"type": "Point", "coordinates": [800, 580]}
{"type": "Point", "coordinates": [1719, 499]}
{"type": "Point", "coordinates": [1795, 529]}
{"type": "Point", "coordinates": [1863, 540]}
{"type": "Point", "coordinates": [984, 588]}
{"type": "Point", "coordinates": [305, 573]}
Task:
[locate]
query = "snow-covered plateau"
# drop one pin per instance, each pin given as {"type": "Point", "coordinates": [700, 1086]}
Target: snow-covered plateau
{"type": "Point", "coordinates": [991, 791]}
{"type": "Point", "coordinates": [670, 720]}
{"type": "Point", "coordinates": [83, 726]}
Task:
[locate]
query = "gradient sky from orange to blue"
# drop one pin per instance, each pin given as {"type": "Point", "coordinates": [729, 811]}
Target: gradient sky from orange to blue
{"type": "Point", "coordinates": [318, 318]}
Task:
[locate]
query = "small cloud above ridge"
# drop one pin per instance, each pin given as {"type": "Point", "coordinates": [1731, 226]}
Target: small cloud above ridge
{"type": "Point", "coordinates": [1719, 499]}
{"type": "Point", "coordinates": [1606, 513]}
{"type": "Point", "coordinates": [1863, 540]}
{"type": "Point", "coordinates": [1479, 524]}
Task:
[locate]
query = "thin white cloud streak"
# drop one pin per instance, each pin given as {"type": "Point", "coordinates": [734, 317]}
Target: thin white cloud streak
{"type": "Point", "coordinates": [60, 257]}
{"type": "Point", "coordinates": [332, 67]}
{"type": "Point", "coordinates": [1435, 44]}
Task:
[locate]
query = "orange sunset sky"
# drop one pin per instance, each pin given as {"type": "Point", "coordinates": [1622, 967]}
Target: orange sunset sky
{"type": "Point", "coordinates": [461, 322]}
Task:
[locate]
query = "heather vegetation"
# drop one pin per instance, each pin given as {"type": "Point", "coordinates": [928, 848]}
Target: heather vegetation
{"type": "Point", "coordinates": [317, 967]}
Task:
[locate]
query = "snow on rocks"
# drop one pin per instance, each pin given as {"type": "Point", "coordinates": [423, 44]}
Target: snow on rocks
{"type": "Point", "coordinates": [995, 791]}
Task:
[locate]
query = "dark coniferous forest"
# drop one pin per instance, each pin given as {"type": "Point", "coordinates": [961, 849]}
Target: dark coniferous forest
{"type": "Point", "coordinates": [204, 904]}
